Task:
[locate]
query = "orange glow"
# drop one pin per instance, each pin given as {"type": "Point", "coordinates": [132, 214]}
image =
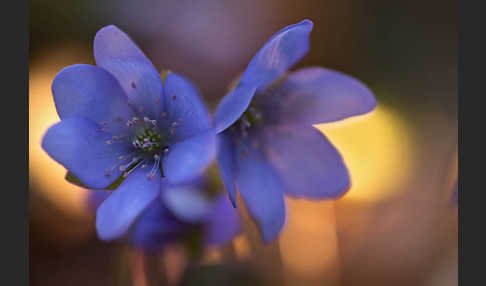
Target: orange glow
{"type": "Point", "coordinates": [242, 247]}
{"type": "Point", "coordinates": [212, 255]}
{"type": "Point", "coordinates": [175, 263]}
{"type": "Point", "coordinates": [376, 148]}
{"type": "Point", "coordinates": [46, 174]}
{"type": "Point", "coordinates": [138, 268]}
{"type": "Point", "coordinates": [309, 244]}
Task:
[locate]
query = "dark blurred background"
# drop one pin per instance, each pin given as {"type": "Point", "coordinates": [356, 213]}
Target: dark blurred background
{"type": "Point", "coordinates": [397, 225]}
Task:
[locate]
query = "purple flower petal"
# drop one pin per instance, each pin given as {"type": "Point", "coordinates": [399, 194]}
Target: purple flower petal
{"type": "Point", "coordinates": [188, 159]}
{"type": "Point", "coordinates": [117, 213]}
{"type": "Point", "coordinates": [226, 164]}
{"type": "Point", "coordinates": [92, 92]}
{"type": "Point", "coordinates": [316, 95]}
{"type": "Point", "coordinates": [183, 108]}
{"type": "Point", "coordinates": [233, 105]}
{"type": "Point", "coordinates": [155, 227]}
{"type": "Point", "coordinates": [187, 202]}
{"type": "Point", "coordinates": [95, 198]}
{"type": "Point", "coordinates": [118, 54]}
{"type": "Point", "coordinates": [261, 189]}
{"type": "Point", "coordinates": [277, 56]}
{"type": "Point", "coordinates": [78, 144]}
{"type": "Point", "coordinates": [307, 162]}
{"type": "Point", "coordinates": [223, 222]}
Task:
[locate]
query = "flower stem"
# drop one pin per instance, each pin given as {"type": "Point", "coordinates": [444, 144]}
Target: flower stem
{"type": "Point", "coordinates": [147, 269]}
{"type": "Point", "coordinates": [121, 271]}
{"type": "Point", "coordinates": [265, 256]}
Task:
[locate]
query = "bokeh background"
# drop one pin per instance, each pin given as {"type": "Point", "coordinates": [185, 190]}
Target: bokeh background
{"type": "Point", "coordinates": [398, 223]}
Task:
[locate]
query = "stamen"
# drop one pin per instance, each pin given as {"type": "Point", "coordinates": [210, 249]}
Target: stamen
{"type": "Point", "coordinates": [133, 169]}
{"type": "Point", "coordinates": [121, 158]}
{"type": "Point", "coordinates": [124, 167]}
{"type": "Point", "coordinates": [115, 139]}
{"type": "Point", "coordinates": [133, 122]}
{"type": "Point", "coordinates": [154, 167]}
{"type": "Point", "coordinates": [125, 156]}
{"type": "Point", "coordinates": [108, 173]}
{"type": "Point", "coordinates": [104, 124]}
{"type": "Point", "coordinates": [245, 123]}
{"type": "Point", "coordinates": [147, 120]}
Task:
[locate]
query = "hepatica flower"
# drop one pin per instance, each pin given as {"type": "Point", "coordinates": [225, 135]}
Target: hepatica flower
{"type": "Point", "coordinates": [181, 212]}
{"type": "Point", "coordinates": [120, 120]}
{"type": "Point", "coordinates": [267, 146]}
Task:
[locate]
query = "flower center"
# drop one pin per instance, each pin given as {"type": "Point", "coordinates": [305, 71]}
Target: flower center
{"type": "Point", "coordinates": [148, 140]}
{"type": "Point", "coordinates": [251, 117]}
{"type": "Point", "coordinates": [149, 143]}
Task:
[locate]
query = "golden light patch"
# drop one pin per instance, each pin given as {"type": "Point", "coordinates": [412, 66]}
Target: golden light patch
{"type": "Point", "coordinates": [309, 243]}
{"type": "Point", "coordinates": [47, 175]}
{"type": "Point", "coordinates": [242, 247]}
{"type": "Point", "coordinates": [377, 150]}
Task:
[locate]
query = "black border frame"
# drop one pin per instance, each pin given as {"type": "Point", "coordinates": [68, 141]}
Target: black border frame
{"type": "Point", "coordinates": [471, 194]}
{"type": "Point", "coordinates": [15, 206]}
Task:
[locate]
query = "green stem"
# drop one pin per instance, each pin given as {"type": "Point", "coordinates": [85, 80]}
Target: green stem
{"type": "Point", "coordinates": [161, 169]}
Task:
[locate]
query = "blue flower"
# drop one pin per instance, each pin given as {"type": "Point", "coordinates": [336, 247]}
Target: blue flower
{"type": "Point", "coordinates": [120, 120]}
{"type": "Point", "coordinates": [178, 213]}
{"type": "Point", "coordinates": [267, 146]}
